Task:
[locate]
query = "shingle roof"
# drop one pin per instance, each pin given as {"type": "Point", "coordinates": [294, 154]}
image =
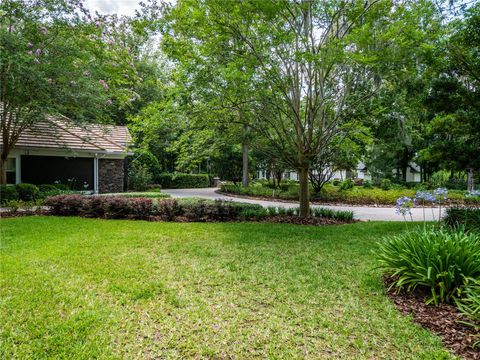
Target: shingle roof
{"type": "Point", "coordinates": [58, 132]}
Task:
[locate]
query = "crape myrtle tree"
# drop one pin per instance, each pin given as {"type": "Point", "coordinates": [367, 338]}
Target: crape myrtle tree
{"type": "Point", "coordinates": [312, 62]}
{"type": "Point", "coordinates": [55, 58]}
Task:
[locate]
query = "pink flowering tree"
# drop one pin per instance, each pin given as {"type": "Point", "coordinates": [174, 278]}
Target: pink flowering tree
{"type": "Point", "coordinates": [55, 58]}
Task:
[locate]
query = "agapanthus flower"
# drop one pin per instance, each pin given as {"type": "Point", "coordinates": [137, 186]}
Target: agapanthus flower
{"type": "Point", "coordinates": [109, 102]}
{"type": "Point", "coordinates": [30, 52]}
{"type": "Point", "coordinates": [98, 24]}
{"type": "Point", "coordinates": [36, 61]}
{"type": "Point", "coordinates": [73, 82]}
{"type": "Point", "coordinates": [38, 51]}
{"type": "Point", "coordinates": [86, 73]}
{"type": "Point", "coordinates": [403, 206]}
{"type": "Point", "coordinates": [425, 196]}
{"type": "Point", "coordinates": [441, 193]}
{"type": "Point", "coordinates": [29, 45]}
{"type": "Point", "coordinates": [473, 194]}
{"type": "Point", "coordinates": [43, 30]}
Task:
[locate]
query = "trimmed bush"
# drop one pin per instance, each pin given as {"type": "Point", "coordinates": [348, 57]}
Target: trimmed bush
{"type": "Point", "coordinates": [27, 192]}
{"type": "Point", "coordinates": [435, 261]}
{"type": "Point", "coordinates": [8, 193]}
{"type": "Point", "coordinates": [386, 184]}
{"type": "Point", "coordinates": [468, 218]}
{"type": "Point", "coordinates": [183, 181]}
{"type": "Point", "coordinates": [347, 184]}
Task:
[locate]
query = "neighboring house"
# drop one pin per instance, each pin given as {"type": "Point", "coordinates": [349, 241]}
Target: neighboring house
{"type": "Point", "coordinates": [89, 157]}
{"type": "Point", "coordinates": [361, 172]}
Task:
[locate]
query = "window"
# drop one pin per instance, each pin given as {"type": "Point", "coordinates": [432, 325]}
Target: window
{"type": "Point", "coordinates": [11, 170]}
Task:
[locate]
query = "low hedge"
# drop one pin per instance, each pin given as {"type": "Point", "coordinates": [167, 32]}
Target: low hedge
{"type": "Point", "coordinates": [183, 181]}
{"type": "Point", "coordinates": [7, 194]}
{"type": "Point", "coordinates": [116, 207]}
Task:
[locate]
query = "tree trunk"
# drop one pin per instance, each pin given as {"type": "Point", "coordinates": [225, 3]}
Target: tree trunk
{"type": "Point", "coordinates": [3, 172]}
{"type": "Point", "coordinates": [245, 164]}
{"type": "Point", "coordinates": [303, 193]}
{"type": "Point", "coordinates": [470, 180]}
{"type": "Point", "coordinates": [3, 168]}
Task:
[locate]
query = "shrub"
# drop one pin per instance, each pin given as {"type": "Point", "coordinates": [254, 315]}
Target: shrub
{"type": "Point", "coordinates": [27, 192]}
{"type": "Point", "coordinates": [140, 208]}
{"type": "Point", "coordinates": [437, 261]}
{"type": "Point", "coordinates": [253, 213]}
{"type": "Point", "coordinates": [367, 184]}
{"type": "Point", "coordinates": [183, 181]}
{"type": "Point", "coordinates": [139, 176]}
{"type": "Point", "coordinates": [66, 205]}
{"type": "Point", "coordinates": [468, 218]}
{"type": "Point", "coordinates": [347, 184]}
{"type": "Point", "coordinates": [272, 210]}
{"type": "Point", "coordinates": [167, 208]}
{"type": "Point", "coordinates": [346, 216]}
{"type": "Point", "coordinates": [8, 193]}
{"type": "Point", "coordinates": [60, 186]}
{"type": "Point", "coordinates": [43, 188]}
{"type": "Point", "coordinates": [386, 184]}
{"type": "Point", "coordinates": [336, 182]}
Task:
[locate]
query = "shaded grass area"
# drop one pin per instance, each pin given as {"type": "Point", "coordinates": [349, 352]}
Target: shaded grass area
{"type": "Point", "coordinates": [89, 288]}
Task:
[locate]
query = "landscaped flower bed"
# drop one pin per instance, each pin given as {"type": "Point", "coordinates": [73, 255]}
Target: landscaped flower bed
{"type": "Point", "coordinates": [114, 207]}
{"type": "Point", "coordinates": [357, 195]}
{"type": "Point", "coordinates": [437, 270]}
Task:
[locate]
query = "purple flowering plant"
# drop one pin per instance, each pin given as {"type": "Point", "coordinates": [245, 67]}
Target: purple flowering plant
{"type": "Point", "coordinates": [474, 195]}
{"type": "Point", "coordinates": [403, 206]}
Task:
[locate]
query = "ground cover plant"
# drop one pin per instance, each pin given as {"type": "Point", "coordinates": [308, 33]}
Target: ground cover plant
{"type": "Point", "coordinates": [141, 194]}
{"type": "Point", "coordinates": [91, 288]}
{"type": "Point", "coordinates": [356, 195]}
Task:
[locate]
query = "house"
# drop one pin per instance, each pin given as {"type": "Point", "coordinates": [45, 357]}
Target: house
{"type": "Point", "coordinates": [87, 157]}
{"type": "Point", "coordinates": [361, 172]}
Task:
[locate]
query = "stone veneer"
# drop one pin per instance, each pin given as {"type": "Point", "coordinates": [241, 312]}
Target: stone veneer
{"type": "Point", "coordinates": [110, 175]}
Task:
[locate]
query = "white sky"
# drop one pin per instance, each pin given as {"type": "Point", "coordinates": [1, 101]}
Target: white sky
{"type": "Point", "coordinates": [120, 7]}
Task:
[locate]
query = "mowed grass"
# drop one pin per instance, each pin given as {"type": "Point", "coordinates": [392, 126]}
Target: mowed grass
{"type": "Point", "coordinates": [77, 288]}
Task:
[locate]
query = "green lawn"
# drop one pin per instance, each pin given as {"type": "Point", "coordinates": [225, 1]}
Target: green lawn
{"type": "Point", "coordinates": [86, 288]}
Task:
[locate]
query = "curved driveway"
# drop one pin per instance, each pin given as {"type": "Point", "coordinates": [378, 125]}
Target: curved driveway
{"type": "Point", "coordinates": [360, 212]}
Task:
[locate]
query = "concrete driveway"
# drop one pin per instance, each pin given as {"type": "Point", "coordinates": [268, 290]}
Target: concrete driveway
{"type": "Point", "coordinates": [360, 212]}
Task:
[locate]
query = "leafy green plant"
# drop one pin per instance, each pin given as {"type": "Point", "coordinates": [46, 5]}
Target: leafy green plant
{"type": "Point", "coordinates": [367, 184]}
{"type": "Point", "coordinates": [468, 218]}
{"type": "Point", "coordinates": [272, 210]}
{"type": "Point", "coordinates": [386, 184]}
{"type": "Point", "coordinates": [347, 184]}
{"type": "Point", "coordinates": [13, 205]}
{"type": "Point", "coordinates": [8, 193]}
{"type": "Point", "coordinates": [27, 192]}
{"type": "Point", "coordinates": [183, 181]}
{"type": "Point", "coordinates": [469, 304]}
{"type": "Point", "coordinates": [434, 260]}
{"type": "Point", "coordinates": [139, 176]}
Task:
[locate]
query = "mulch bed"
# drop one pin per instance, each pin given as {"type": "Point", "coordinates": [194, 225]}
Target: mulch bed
{"type": "Point", "coordinates": [443, 320]}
